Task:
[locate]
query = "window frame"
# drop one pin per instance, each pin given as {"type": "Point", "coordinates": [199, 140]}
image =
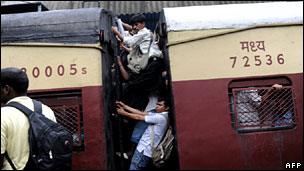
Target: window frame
{"type": "Point", "coordinates": [254, 84]}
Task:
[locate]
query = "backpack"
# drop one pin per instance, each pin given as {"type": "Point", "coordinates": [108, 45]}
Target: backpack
{"type": "Point", "coordinates": [161, 153]}
{"type": "Point", "coordinates": [138, 61]}
{"type": "Point", "coordinates": [50, 143]}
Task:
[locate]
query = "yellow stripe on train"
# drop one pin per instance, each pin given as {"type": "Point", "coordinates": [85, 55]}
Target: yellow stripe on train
{"type": "Point", "coordinates": [55, 65]}
{"type": "Point", "coordinates": [240, 53]}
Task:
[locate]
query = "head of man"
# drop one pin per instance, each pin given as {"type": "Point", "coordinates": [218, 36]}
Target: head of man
{"type": "Point", "coordinates": [138, 22]}
{"type": "Point", "coordinates": [162, 105]}
{"type": "Point", "coordinates": [14, 83]}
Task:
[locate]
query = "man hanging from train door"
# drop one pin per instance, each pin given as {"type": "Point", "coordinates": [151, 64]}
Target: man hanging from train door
{"type": "Point", "coordinates": [158, 121]}
{"type": "Point", "coordinates": [143, 74]}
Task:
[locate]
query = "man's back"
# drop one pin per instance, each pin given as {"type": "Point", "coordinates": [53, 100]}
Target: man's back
{"type": "Point", "coordinates": [14, 131]}
{"type": "Point", "coordinates": [159, 123]}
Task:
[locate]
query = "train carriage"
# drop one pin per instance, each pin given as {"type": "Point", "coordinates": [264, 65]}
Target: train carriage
{"type": "Point", "coordinates": [222, 58]}
{"type": "Point", "coordinates": [222, 62]}
{"type": "Point", "coordinates": [63, 53]}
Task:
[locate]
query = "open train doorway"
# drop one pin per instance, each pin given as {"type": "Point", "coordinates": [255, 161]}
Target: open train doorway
{"type": "Point", "coordinates": [119, 128]}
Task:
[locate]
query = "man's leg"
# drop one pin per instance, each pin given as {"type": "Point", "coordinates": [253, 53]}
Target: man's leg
{"type": "Point", "coordinates": [139, 161]}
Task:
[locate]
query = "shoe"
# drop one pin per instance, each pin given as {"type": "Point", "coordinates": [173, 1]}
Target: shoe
{"type": "Point", "coordinates": [124, 155]}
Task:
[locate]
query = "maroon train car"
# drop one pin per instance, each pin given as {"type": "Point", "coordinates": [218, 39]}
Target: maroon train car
{"type": "Point", "coordinates": [63, 52]}
{"type": "Point", "coordinates": [225, 61]}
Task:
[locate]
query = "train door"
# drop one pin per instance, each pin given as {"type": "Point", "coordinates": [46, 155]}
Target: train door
{"type": "Point", "coordinates": [120, 128]}
{"type": "Point", "coordinates": [216, 61]}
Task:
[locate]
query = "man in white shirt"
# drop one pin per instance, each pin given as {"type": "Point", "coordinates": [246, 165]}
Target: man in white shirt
{"type": "Point", "coordinates": [143, 74]}
{"type": "Point", "coordinates": [14, 124]}
{"type": "Point", "coordinates": [139, 44]}
{"type": "Point", "coordinates": [157, 120]}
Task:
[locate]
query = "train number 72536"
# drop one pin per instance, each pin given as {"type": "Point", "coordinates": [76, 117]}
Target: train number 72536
{"type": "Point", "coordinates": [258, 60]}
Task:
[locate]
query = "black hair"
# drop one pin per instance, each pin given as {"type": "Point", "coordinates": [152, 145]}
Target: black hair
{"type": "Point", "coordinates": [165, 99]}
{"type": "Point", "coordinates": [15, 78]}
{"type": "Point", "coordinates": [137, 18]}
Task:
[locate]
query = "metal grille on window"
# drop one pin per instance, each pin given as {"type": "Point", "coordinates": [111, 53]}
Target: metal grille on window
{"type": "Point", "coordinates": [67, 107]}
{"type": "Point", "coordinates": [68, 116]}
{"type": "Point", "coordinates": [262, 108]}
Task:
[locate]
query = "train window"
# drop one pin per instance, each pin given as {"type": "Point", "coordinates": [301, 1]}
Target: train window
{"type": "Point", "coordinates": [262, 108]}
{"type": "Point", "coordinates": [67, 107]}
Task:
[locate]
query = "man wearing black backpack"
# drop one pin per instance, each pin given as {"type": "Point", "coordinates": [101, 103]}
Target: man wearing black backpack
{"type": "Point", "coordinates": [15, 148]}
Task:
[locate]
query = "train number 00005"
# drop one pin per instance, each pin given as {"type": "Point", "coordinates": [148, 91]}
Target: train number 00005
{"type": "Point", "coordinates": [59, 70]}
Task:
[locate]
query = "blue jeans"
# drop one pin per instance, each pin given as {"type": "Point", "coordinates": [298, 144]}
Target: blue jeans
{"type": "Point", "coordinates": [139, 161]}
{"type": "Point", "coordinates": [138, 131]}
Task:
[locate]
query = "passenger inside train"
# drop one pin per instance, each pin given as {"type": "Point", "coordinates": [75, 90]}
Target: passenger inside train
{"type": "Point", "coordinates": [265, 107]}
{"type": "Point", "coordinates": [277, 100]}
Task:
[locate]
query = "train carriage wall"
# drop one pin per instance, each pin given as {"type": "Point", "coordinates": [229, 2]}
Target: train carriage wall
{"type": "Point", "coordinates": [205, 62]}
{"type": "Point", "coordinates": [63, 52]}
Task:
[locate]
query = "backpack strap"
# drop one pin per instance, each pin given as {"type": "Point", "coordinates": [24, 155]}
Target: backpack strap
{"type": "Point", "coordinates": [26, 111]}
{"type": "Point", "coordinates": [151, 41]}
{"type": "Point", "coordinates": [152, 134]}
{"type": "Point", "coordinates": [9, 161]}
{"type": "Point", "coordinates": [37, 106]}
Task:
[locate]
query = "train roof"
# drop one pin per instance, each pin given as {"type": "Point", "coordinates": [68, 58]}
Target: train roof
{"type": "Point", "coordinates": [11, 7]}
{"type": "Point", "coordinates": [58, 26]}
{"type": "Point", "coordinates": [232, 16]}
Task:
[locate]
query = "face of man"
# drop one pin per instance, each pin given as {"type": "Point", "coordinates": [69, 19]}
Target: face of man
{"type": "Point", "coordinates": [134, 30]}
{"type": "Point", "coordinates": [160, 107]}
{"type": "Point", "coordinates": [138, 26]}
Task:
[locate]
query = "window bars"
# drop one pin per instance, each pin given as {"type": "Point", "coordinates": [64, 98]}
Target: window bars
{"type": "Point", "coordinates": [67, 106]}
{"type": "Point", "coordinates": [262, 108]}
{"type": "Point", "coordinates": [69, 116]}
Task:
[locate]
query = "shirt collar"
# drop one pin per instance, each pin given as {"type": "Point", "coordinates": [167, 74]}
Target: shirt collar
{"type": "Point", "coordinates": [143, 30]}
{"type": "Point", "coordinates": [154, 111]}
{"type": "Point", "coordinates": [163, 113]}
{"type": "Point", "coordinates": [18, 99]}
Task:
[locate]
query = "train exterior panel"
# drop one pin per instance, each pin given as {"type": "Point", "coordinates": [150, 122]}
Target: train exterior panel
{"type": "Point", "coordinates": [209, 130]}
{"type": "Point", "coordinates": [53, 66]}
{"type": "Point", "coordinates": [201, 87]}
{"type": "Point", "coordinates": [209, 64]}
{"type": "Point", "coordinates": [67, 77]}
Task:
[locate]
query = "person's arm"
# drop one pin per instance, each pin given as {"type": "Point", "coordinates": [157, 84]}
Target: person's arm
{"type": "Point", "coordinates": [127, 26]}
{"type": "Point", "coordinates": [122, 69]}
{"type": "Point", "coordinates": [135, 116]}
{"type": "Point", "coordinates": [130, 109]}
{"type": "Point", "coordinates": [277, 86]}
{"type": "Point", "coordinates": [136, 39]}
{"type": "Point", "coordinates": [270, 91]}
{"type": "Point", "coordinates": [118, 39]}
{"type": "Point", "coordinates": [125, 47]}
{"type": "Point", "coordinates": [117, 33]}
